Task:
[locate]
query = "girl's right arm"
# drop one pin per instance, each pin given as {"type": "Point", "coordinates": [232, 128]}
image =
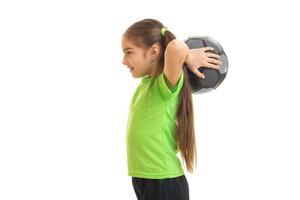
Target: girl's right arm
{"type": "Point", "coordinates": [175, 55]}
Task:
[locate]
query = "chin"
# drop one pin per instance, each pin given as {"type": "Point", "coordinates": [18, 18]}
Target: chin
{"type": "Point", "coordinates": [136, 75]}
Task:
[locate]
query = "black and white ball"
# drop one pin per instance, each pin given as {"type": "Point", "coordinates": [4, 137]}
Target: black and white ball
{"type": "Point", "coordinates": [213, 77]}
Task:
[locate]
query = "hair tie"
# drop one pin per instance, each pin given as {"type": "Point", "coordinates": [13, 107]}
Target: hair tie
{"type": "Point", "coordinates": [163, 31]}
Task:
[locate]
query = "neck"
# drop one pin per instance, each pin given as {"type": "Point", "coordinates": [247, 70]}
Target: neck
{"type": "Point", "coordinates": [155, 70]}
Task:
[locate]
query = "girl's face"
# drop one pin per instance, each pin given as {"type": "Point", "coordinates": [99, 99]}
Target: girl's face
{"type": "Point", "coordinates": [138, 60]}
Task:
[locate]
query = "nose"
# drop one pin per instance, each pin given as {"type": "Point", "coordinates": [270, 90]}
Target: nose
{"type": "Point", "coordinates": [124, 61]}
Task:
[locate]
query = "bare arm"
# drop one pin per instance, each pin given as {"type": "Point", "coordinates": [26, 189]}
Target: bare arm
{"type": "Point", "coordinates": [175, 55]}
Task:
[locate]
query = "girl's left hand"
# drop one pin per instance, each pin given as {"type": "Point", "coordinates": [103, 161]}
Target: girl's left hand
{"type": "Point", "coordinates": [201, 58]}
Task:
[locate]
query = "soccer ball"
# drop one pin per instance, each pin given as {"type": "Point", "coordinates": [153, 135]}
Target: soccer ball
{"type": "Point", "coordinates": [213, 77]}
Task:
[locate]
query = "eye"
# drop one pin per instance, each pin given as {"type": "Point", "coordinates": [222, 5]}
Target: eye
{"type": "Point", "coordinates": [128, 52]}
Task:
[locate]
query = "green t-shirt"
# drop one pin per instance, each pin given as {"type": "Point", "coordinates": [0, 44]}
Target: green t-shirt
{"type": "Point", "coordinates": [151, 128]}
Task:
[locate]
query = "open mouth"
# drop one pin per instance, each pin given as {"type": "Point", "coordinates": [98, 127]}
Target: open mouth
{"type": "Point", "coordinates": [131, 69]}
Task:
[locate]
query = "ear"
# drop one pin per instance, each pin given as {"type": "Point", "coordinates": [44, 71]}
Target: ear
{"type": "Point", "coordinates": [155, 50]}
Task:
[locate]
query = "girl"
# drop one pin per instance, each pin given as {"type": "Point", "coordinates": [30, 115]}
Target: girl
{"type": "Point", "coordinates": [160, 121]}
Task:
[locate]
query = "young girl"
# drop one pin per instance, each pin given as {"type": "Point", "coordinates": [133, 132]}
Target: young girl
{"type": "Point", "coordinates": [160, 121]}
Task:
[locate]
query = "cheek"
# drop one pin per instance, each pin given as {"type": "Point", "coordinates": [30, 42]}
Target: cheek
{"type": "Point", "coordinates": [138, 63]}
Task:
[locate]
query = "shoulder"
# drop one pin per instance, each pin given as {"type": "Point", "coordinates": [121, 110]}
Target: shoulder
{"type": "Point", "coordinates": [166, 92]}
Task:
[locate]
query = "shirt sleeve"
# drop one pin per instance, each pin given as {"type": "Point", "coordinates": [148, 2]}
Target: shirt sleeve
{"type": "Point", "coordinates": [165, 91]}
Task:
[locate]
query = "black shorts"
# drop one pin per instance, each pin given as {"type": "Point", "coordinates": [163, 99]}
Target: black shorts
{"type": "Point", "coordinates": [161, 189]}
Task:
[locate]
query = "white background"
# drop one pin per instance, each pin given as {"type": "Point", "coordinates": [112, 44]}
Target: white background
{"type": "Point", "coordinates": [64, 98]}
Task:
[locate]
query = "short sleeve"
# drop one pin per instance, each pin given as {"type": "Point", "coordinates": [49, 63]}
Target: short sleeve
{"type": "Point", "coordinates": [163, 88]}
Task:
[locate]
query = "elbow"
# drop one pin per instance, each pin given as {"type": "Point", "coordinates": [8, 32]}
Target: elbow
{"type": "Point", "coordinates": [178, 48]}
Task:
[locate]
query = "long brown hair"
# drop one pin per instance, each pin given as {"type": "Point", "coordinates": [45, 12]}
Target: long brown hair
{"type": "Point", "coordinates": [144, 34]}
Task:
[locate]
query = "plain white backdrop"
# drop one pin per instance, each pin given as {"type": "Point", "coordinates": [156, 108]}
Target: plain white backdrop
{"type": "Point", "coordinates": [64, 98]}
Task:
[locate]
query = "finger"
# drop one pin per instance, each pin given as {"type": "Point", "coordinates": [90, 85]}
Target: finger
{"type": "Point", "coordinates": [213, 55]}
{"type": "Point", "coordinates": [214, 61]}
{"type": "Point", "coordinates": [199, 74]}
{"type": "Point", "coordinates": [208, 49]}
{"type": "Point", "coordinates": [214, 66]}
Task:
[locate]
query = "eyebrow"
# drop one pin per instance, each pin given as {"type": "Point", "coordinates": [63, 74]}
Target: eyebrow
{"type": "Point", "coordinates": [128, 48]}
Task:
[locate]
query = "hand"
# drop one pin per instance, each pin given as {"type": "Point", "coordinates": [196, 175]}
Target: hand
{"type": "Point", "coordinates": [201, 57]}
